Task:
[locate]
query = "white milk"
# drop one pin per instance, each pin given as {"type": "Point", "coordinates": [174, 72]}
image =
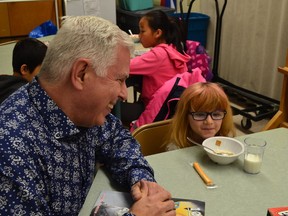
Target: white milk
{"type": "Point", "coordinates": [252, 163]}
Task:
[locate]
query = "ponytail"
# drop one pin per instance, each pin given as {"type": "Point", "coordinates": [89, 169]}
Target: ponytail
{"type": "Point", "coordinates": [177, 34]}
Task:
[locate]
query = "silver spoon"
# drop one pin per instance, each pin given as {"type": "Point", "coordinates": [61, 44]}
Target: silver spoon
{"type": "Point", "coordinates": [219, 152]}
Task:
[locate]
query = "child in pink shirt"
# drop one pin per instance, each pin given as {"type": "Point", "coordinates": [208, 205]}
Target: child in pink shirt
{"type": "Point", "coordinates": [164, 35]}
{"type": "Point", "coordinates": [166, 58]}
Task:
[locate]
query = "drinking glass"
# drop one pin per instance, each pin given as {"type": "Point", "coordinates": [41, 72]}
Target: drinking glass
{"type": "Point", "coordinates": [253, 157]}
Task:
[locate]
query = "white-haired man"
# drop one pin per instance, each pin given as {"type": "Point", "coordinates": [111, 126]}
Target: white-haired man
{"type": "Point", "coordinates": [58, 127]}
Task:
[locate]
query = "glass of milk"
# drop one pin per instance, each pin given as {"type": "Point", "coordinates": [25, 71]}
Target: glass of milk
{"type": "Point", "coordinates": [253, 157]}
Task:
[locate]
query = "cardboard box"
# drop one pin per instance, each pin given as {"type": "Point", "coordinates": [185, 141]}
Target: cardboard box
{"type": "Point", "coordinates": [278, 211]}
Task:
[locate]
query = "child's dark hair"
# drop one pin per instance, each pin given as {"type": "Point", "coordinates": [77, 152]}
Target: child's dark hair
{"type": "Point", "coordinates": [171, 27]}
{"type": "Point", "coordinates": [29, 51]}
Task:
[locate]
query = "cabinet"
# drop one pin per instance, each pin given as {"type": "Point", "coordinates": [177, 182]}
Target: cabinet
{"type": "Point", "coordinates": [18, 18]}
{"type": "Point", "coordinates": [4, 20]}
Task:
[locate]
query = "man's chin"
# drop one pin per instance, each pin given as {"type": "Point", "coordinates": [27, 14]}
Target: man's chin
{"type": "Point", "coordinates": [100, 121]}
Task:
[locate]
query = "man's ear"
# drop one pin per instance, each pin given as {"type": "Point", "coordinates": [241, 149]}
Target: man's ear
{"type": "Point", "coordinates": [78, 72]}
{"type": "Point", "coordinates": [24, 70]}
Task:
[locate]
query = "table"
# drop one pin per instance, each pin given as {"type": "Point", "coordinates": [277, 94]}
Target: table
{"type": "Point", "coordinates": [238, 193]}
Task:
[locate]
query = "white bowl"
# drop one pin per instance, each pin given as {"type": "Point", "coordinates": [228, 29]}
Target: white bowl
{"type": "Point", "coordinates": [227, 144]}
{"type": "Point", "coordinates": [135, 38]}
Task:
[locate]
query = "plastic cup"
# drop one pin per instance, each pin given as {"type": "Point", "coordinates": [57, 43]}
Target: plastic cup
{"type": "Point", "coordinates": [253, 157]}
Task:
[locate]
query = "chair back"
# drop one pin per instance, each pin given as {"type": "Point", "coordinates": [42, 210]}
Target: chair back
{"type": "Point", "coordinates": [152, 136]}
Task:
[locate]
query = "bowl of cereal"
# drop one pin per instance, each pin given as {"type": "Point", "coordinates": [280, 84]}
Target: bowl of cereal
{"type": "Point", "coordinates": [225, 150]}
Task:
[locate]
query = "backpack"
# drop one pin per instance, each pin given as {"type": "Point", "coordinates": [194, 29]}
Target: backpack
{"type": "Point", "coordinates": [199, 59]}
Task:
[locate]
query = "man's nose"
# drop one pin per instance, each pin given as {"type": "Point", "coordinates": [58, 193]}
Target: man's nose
{"type": "Point", "coordinates": [123, 95]}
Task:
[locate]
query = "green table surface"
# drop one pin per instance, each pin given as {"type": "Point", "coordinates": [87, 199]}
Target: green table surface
{"type": "Point", "coordinates": [238, 193]}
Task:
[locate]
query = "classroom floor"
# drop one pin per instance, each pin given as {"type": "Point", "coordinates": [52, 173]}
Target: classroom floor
{"type": "Point", "coordinates": [257, 126]}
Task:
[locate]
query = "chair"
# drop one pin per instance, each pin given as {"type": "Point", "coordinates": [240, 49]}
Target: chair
{"type": "Point", "coordinates": [280, 119]}
{"type": "Point", "coordinates": [152, 136]}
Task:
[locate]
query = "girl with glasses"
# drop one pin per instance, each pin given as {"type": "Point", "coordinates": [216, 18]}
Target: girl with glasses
{"type": "Point", "coordinates": [203, 111]}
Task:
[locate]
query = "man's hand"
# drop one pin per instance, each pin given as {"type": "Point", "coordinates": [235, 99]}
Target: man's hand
{"type": "Point", "coordinates": [151, 199]}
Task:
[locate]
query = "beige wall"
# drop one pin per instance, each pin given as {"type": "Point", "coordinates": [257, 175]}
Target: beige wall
{"type": "Point", "coordinates": [253, 43]}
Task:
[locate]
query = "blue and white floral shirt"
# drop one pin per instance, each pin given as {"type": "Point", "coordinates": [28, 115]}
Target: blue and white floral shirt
{"type": "Point", "coordinates": [47, 164]}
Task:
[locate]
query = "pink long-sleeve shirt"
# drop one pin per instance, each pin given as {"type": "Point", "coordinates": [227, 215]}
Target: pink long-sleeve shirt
{"type": "Point", "coordinates": [157, 66]}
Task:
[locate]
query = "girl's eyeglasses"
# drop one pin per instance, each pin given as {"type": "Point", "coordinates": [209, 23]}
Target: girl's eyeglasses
{"type": "Point", "coordinates": [201, 116]}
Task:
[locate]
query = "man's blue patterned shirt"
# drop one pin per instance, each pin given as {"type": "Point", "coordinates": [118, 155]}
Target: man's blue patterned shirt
{"type": "Point", "coordinates": [47, 163]}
